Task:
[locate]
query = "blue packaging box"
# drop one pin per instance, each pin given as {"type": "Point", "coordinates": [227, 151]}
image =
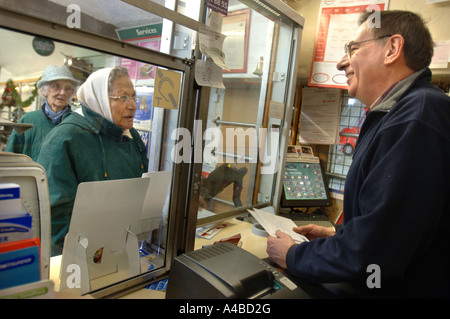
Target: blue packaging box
{"type": "Point", "coordinates": [19, 263]}
{"type": "Point", "coordinates": [15, 226]}
{"type": "Point", "coordinates": [9, 198]}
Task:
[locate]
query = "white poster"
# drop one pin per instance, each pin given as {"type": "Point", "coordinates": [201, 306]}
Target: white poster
{"type": "Point", "coordinates": [338, 21]}
{"type": "Point", "coordinates": [320, 116]}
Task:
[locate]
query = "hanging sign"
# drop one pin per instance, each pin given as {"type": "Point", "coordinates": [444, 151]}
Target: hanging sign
{"type": "Point", "coordinates": [167, 89]}
{"type": "Point", "coordinates": [140, 33]}
{"type": "Point", "coordinates": [148, 36]}
{"type": "Point", "coordinates": [220, 6]}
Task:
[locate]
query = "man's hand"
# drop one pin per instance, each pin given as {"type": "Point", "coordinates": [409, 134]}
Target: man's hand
{"type": "Point", "coordinates": [312, 231]}
{"type": "Point", "coordinates": [277, 247]}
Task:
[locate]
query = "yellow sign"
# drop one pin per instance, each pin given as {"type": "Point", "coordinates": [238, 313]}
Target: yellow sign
{"type": "Point", "coordinates": [167, 89]}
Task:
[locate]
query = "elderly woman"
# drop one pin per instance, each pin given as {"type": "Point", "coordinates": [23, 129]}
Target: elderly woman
{"type": "Point", "coordinates": [56, 86]}
{"type": "Point", "coordinates": [94, 143]}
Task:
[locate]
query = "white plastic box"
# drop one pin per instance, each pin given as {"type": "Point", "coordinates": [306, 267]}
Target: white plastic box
{"type": "Point", "coordinates": [34, 198]}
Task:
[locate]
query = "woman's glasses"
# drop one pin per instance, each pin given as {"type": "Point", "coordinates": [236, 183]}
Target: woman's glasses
{"type": "Point", "coordinates": [126, 98]}
{"type": "Point", "coordinates": [57, 87]}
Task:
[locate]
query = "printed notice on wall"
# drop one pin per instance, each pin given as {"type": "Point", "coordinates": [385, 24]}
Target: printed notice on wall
{"type": "Point", "coordinates": [441, 56]}
{"type": "Point", "coordinates": [338, 22]}
{"type": "Point", "coordinates": [320, 116]}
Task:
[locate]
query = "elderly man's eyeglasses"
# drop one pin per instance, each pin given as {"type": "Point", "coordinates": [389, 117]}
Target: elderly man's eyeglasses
{"type": "Point", "coordinates": [348, 46]}
{"type": "Point", "coordinates": [126, 98]}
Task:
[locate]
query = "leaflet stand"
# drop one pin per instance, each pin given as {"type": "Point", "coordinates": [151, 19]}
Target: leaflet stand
{"type": "Point", "coordinates": [81, 261]}
{"type": "Point", "coordinates": [132, 250]}
{"type": "Point", "coordinates": [102, 235]}
{"type": "Point", "coordinates": [83, 283]}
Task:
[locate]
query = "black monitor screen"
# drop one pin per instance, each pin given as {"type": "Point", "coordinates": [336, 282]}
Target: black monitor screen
{"type": "Point", "coordinates": [304, 185]}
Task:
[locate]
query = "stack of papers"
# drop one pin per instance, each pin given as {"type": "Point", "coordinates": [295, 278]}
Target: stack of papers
{"type": "Point", "coordinates": [272, 223]}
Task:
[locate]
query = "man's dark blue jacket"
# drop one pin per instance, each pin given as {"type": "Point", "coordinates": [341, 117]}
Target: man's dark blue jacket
{"type": "Point", "coordinates": [396, 202]}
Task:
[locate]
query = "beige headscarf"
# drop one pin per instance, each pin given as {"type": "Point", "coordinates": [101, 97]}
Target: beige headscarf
{"type": "Point", "coordinates": [94, 93]}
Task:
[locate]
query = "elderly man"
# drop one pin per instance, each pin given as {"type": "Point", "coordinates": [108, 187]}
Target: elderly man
{"type": "Point", "coordinates": [56, 86]}
{"type": "Point", "coordinates": [394, 240]}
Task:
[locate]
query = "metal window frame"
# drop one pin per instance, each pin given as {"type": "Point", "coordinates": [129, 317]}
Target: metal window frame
{"type": "Point", "coordinates": [287, 14]}
{"type": "Point", "coordinates": [194, 105]}
{"type": "Point", "coordinates": [17, 21]}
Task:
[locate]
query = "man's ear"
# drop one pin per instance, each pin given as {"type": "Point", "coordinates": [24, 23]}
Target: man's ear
{"type": "Point", "coordinates": [394, 49]}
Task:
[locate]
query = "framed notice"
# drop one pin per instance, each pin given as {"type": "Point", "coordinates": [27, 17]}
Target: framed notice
{"type": "Point", "coordinates": [338, 22]}
{"type": "Point", "coordinates": [236, 28]}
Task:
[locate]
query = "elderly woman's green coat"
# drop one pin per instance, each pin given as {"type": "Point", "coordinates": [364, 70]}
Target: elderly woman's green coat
{"type": "Point", "coordinates": [29, 142]}
{"type": "Point", "coordinates": [85, 148]}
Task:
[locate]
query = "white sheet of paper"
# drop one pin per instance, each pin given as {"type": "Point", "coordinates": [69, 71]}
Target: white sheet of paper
{"type": "Point", "coordinates": [320, 116]}
{"type": "Point", "coordinates": [272, 223]}
{"type": "Point", "coordinates": [207, 73]}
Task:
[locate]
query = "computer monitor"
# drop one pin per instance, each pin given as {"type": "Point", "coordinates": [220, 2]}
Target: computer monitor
{"type": "Point", "coordinates": [304, 182]}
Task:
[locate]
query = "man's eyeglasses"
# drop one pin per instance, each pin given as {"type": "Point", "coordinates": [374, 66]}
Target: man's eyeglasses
{"type": "Point", "coordinates": [348, 46]}
{"type": "Point", "coordinates": [126, 98]}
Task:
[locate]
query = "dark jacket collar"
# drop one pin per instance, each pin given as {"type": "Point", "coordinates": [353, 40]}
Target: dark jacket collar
{"type": "Point", "coordinates": [399, 89]}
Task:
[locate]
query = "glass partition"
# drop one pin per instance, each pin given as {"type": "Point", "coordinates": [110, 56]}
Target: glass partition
{"type": "Point", "coordinates": [242, 123]}
{"type": "Point", "coordinates": [245, 119]}
{"type": "Point", "coordinates": [22, 67]}
{"type": "Point", "coordinates": [133, 21]}
{"type": "Point", "coordinates": [176, 39]}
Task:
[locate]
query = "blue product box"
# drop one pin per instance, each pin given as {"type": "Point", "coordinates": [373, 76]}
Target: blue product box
{"type": "Point", "coordinates": [9, 198]}
{"type": "Point", "coordinates": [15, 226]}
{"type": "Point", "coordinates": [19, 264]}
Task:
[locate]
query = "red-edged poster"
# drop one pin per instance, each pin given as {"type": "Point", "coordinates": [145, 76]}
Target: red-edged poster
{"type": "Point", "coordinates": [337, 25]}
